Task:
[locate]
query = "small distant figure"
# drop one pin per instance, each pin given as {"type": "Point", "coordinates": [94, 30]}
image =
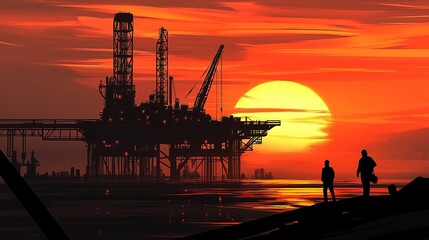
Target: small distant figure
{"type": "Point", "coordinates": [366, 169]}
{"type": "Point", "coordinates": [328, 176]}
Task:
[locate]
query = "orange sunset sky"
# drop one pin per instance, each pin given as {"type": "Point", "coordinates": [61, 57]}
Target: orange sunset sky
{"type": "Point", "coordinates": [367, 60]}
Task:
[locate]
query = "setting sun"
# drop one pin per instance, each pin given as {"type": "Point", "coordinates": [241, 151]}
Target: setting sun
{"type": "Point", "coordinates": [303, 113]}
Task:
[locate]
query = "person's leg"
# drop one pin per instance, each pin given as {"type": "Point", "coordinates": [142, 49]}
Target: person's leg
{"type": "Point", "coordinates": [325, 192]}
{"type": "Point", "coordinates": [368, 187]}
{"type": "Point", "coordinates": [365, 185]}
{"type": "Point", "coordinates": [331, 189]}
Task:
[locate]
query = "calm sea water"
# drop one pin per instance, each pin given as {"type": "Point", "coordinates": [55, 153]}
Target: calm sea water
{"type": "Point", "coordinates": [152, 210]}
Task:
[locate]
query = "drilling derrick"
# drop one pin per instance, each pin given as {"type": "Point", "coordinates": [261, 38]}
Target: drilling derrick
{"type": "Point", "coordinates": [119, 92]}
{"type": "Point", "coordinates": [162, 67]}
{"type": "Point", "coordinates": [119, 110]}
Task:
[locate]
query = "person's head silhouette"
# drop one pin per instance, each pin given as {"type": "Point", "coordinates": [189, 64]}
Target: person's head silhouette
{"type": "Point", "coordinates": [326, 163]}
{"type": "Point", "coordinates": [364, 153]}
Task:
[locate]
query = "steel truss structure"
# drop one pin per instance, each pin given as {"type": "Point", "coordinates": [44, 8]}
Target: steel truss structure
{"type": "Point", "coordinates": [140, 141]}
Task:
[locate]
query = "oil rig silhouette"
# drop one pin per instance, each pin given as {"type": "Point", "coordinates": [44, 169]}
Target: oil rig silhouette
{"type": "Point", "coordinates": [132, 140]}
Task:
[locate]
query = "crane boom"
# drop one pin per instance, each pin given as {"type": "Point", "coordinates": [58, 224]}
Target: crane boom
{"type": "Point", "coordinates": [201, 99]}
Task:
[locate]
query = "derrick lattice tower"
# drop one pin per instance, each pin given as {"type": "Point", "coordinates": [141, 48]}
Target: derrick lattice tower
{"type": "Point", "coordinates": [162, 67]}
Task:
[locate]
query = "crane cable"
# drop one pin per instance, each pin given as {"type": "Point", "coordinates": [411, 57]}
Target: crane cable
{"type": "Point", "coordinates": [221, 87]}
{"type": "Point", "coordinates": [196, 82]}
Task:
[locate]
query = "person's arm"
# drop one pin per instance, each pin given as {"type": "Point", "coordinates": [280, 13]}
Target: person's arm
{"type": "Point", "coordinates": [321, 178]}
{"type": "Point", "coordinates": [358, 170]}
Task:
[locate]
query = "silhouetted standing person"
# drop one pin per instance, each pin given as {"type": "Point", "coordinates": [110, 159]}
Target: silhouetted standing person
{"type": "Point", "coordinates": [328, 176]}
{"type": "Point", "coordinates": [366, 169]}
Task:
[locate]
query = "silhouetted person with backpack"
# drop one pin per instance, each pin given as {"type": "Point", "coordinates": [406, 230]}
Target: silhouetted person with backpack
{"type": "Point", "coordinates": [328, 176]}
{"type": "Point", "coordinates": [366, 170]}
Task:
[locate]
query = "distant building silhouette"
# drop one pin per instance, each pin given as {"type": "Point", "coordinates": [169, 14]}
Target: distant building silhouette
{"type": "Point", "coordinates": [259, 173]}
{"type": "Point", "coordinates": [268, 175]}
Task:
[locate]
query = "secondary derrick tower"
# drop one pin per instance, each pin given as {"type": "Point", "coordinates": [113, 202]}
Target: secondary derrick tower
{"type": "Point", "coordinates": [162, 67]}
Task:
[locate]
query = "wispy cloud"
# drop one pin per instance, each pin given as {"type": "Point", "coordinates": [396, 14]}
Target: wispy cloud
{"type": "Point", "coordinates": [356, 70]}
{"type": "Point", "coordinates": [414, 115]}
{"type": "Point", "coordinates": [9, 44]}
{"type": "Point", "coordinates": [273, 110]}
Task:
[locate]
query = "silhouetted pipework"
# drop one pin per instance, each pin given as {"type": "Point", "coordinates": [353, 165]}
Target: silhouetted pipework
{"type": "Point", "coordinates": [144, 140]}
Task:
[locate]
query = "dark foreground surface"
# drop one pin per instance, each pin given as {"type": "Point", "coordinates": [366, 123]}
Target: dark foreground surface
{"type": "Point", "coordinates": [127, 209]}
{"type": "Point", "coordinates": [404, 215]}
{"type": "Point", "coordinates": [130, 209]}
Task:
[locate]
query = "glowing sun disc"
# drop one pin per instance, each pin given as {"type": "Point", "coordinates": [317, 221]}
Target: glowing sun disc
{"type": "Point", "coordinates": [304, 115]}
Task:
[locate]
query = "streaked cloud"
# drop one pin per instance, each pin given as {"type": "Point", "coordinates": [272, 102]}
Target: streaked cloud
{"type": "Point", "coordinates": [262, 110]}
{"type": "Point", "coordinates": [356, 70]}
{"type": "Point", "coordinates": [9, 44]}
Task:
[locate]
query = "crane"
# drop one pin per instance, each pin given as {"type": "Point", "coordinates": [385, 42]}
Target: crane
{"type": "Point", "coordinates": [201, 99]}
